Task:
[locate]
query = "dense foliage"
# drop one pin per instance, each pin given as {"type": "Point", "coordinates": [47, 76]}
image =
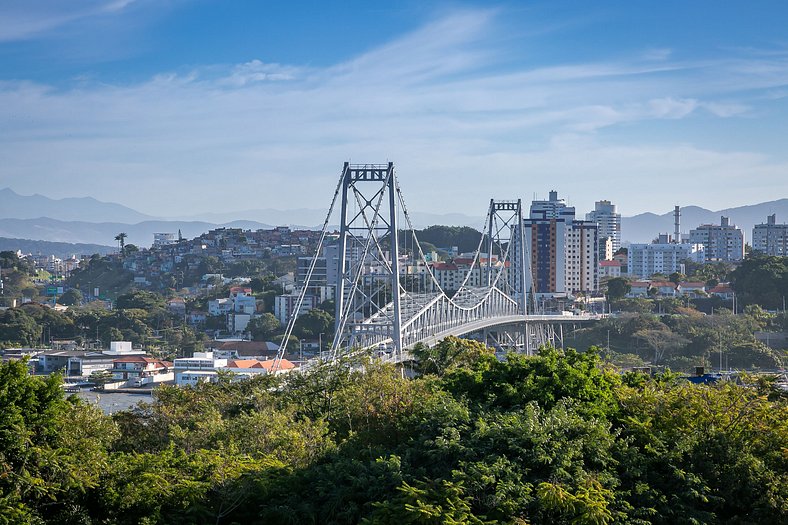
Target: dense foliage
{"type": "Point", "coordinates": [465, 238]}
{"type": "Point", "coordinates": [141, 317]}
{"type": "Point", "coordinates": [555, 438]}
{"type": "Point", "coordinates": [762, 280]}
{"type": "Point", "coordinates": [682, 338]}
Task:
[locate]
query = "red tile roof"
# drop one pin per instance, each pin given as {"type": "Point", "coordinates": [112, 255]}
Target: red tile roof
{"type": "Point", "coordinates": [268, 364]}
{"type": "Point", "coordinates": [663, 284]}
{"type": "Point", "coordinates": [444, 266]}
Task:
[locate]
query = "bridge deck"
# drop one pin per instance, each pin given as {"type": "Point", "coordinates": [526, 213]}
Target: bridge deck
{"type": "Point", "coordinates": [476, 326]}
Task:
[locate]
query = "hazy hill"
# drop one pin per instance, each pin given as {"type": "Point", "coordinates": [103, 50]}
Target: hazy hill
{"type": "Point", "coordinates": [140, 234]}
{"type": "Point", "coordinates": [313, 219]}
{"type": "Point", "coordinates": [87, 220]}
{"type": "Point", "coordinates": [645, 226]}
{"type": "Point", "coordinates": [63, 250]}
{"type": "Point", "coordinates": [90, 210]}
{"type": "Point", "coordinates": [15, 206]}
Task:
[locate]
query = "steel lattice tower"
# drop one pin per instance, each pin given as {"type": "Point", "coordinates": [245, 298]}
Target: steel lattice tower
{"type": "Point", "coordinates": [505, 233]}
{"type": "Point", "coordinates": [368, 238]}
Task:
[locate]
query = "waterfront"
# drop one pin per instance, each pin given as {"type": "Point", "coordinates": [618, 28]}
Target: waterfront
{"type": "Point", "coordinates": [111, 402]}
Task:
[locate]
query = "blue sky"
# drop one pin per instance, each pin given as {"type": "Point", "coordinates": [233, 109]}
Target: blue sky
{"type": "Point", "coordinates": [177, 107]}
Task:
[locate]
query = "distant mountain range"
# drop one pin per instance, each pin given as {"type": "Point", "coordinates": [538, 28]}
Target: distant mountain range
{"type": "Point", "coordinates": [63, 250]}
{"type": "Point", "coordinates": [88, 209]}
{"type": "Point", "coordinates": [646, 226]}
{"type": "Point", "coordinates": [140, 234]}
{"type": "Point", "coordinates": [87, 220]}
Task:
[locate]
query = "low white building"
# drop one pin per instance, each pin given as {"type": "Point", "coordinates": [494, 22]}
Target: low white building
{"type": "Point", "coordinates": [692, 288]}
{"type": "Point", "coordinates": [81, 363]}
{"type": "Point", "coordinates": [243, 302]}
{"type": "Point", "coordinates": [164, 239]}
{"type": "Point", "coordinates": [203, 367]}
{"type": "Point", "coordinates": [221, 306]}
{"type": "Point", "coordinates": [142, 368]}
{"type": "Point", "coordinates": [639, 289]}
{"type": "Point", "coordinates": [609, 269]}
{"type": "Point", "coordinates": [284, 306]}
{"type": "Point", "coordinates": [663, 257]}
{"type": "Point", "coordinates": [188, 370]}
{"type": "Point", "coordinates": [193, 377]}
{"type": "Point", "coordinates": [237, 323]}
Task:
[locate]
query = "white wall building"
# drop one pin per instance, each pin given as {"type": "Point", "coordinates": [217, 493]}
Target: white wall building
{"type": "Point", "coordinates": [163, 239]}
{"type": "Point", "coordinates": [582, 270]}
{"type": "Point", "coordinates": [644, 260]}
{"type": "Point", "coordinates": [770, 238]}
{"type": "Point", "coordinates": [243, 302]}
{"type": "Point", "coordinates": [284, 306]}
{"type": "Point", "coordinates": [723, 242]}
{"type": "Point", "coordinates": [237, 323]}
{"type": "Point", "coordinates": [609, 222]}
{"type": "Point", "coordinates": [200, 367]}
{"type": "Point", "coordinates": [609, 269]}
{"type": "Point", "coordinates": [221, 306]}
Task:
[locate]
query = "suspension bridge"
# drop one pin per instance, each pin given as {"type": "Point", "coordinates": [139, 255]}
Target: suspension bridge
{"type": "Point", "coordinates": [386, 291]}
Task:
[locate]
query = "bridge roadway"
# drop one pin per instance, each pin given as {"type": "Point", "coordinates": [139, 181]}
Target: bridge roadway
{"type": "Point", "coordinates": [476, 326]}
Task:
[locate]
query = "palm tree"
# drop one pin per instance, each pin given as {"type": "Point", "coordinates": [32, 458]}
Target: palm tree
{"type": "Point", "coordinates": [121, 238]}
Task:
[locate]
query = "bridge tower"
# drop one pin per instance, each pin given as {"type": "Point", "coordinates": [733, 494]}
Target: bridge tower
{"type": "Point", "coordinates": [505, 235]}
{"type": "Point", "coordinates": [368, 280]}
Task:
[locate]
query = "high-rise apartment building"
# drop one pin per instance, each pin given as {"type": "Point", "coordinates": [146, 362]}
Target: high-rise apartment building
{"type": "Point", "coordinates": [546, 236]}
{"type": "Point", "coordinates": [609, 222]}
{"type": "Point", "coordinates": [723, 242]}
{"type": "Point", "coordinates": [770, 238]}
{"type": "Point", "coordinates": [582, 270]}
{"type": "Point", "coordinates": [563, 251]}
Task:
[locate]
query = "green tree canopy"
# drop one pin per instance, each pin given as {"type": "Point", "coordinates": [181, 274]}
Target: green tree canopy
{"type": "Point", "coordinates": [617, 288]}
{"type": "Point", "coordinates": [449, 354]}
{"type": "Point", "coordinates": [140, 299]}
{"type": "Point", "coordinates": [313, 323]}
{"type": "Point", "coordinates": [18, 328]}
{"type": "Point", "coordinates": [265, 327]}
{"type": "Point", "coordinates": [71, 297]}
{"type": "Point", "coordinates": [763, 280]}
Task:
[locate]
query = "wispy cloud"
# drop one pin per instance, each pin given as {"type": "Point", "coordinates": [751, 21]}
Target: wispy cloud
{"type": "Point", "coordinates": [22, 20]}
{"type": "Point", "coordinates": [441, 102]}
{"type": "Point", "coordinates": [657, 54]}
{"type": "Point", "coordinates": [257, 71]}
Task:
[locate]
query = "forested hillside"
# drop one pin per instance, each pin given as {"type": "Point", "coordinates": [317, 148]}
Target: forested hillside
{"type": "Point", "coordinates": [465, 238]}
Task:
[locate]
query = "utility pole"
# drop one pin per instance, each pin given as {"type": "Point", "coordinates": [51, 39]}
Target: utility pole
{"type": "Point", "coordinates": [719, 347]}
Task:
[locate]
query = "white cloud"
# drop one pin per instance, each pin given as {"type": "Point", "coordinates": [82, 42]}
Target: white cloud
{"type": "Point", "coordinates": [672, 108]}
{"type": "Point", "coordinates": [22, 20]}
{"type": "Point", "coordinates": [723, 109]}
{"type": "Point", "coordinates": [460, 126]}
{"type": "Point", "coordinates": [657, 54]}
{"type": "Point", "coordinates": [257, 71]}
